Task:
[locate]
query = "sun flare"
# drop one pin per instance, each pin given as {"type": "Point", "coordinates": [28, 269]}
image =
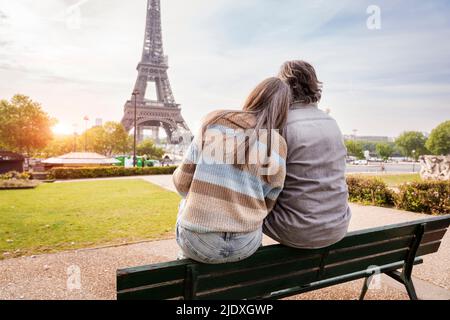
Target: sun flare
{"type": "Point", "coordinates": [62, 129]}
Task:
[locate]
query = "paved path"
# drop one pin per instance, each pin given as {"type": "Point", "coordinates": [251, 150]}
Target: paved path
{"type": "Point", "coordinates": [46, 276]}
{"type": "Point", "coordinates": [390, 168]}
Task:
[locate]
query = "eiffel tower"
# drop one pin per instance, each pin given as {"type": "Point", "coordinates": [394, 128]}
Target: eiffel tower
{"type": "Point", "coordinates": [161, 110]}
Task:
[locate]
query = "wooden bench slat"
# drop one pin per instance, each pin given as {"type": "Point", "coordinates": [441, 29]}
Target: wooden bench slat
{"type": "Point", "coordinates": [258, 289]}
{"type": "Point", "coordinates": [344, 254]}
{"type": "Point", "coordinates": [257, 273]}
{"type": "Point", "coordinates": [428, 248]}
{"type": "Point", "coordinates": [277, 255]}
{"type": "Point", "coordinates": [169, 291]}
{"type": "Point", "coordinates": [400, 229]}
{"type": "Point", "coordinates": [358, 238]}
{"type": "Point", "coordinates": [437, 223]}
{"type": "Point", "coordinates": [433, 235]}
{"type": "Point", "coordinates": [351, 266]}
{"type": "Point", "coordinates": [148, 275]}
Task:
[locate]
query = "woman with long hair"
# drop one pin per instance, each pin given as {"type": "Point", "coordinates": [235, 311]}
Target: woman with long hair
{"type": "Point", "coordinates": [231, 177]}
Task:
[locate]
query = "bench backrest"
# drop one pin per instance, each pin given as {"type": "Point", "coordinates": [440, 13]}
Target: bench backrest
{"type": "Point", "coordinates": [276, 270]}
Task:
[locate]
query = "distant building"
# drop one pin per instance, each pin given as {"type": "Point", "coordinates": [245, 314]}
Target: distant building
{"type": "Point", "coordinates": [10, 161]}
{"type": "Point", "coordinates": [426, 134]}
{"type": "Point", "coordinates": [373, 138]}
{"type": "Point", "coordinates": [79, 159]}
{"type": "Point", "coordinates": [368, 138]}
{"type": "Point", "coordinates": [98, 122]}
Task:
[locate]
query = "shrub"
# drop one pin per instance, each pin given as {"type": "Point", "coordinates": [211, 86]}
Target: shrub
{"type": "Point", "coordinates": [14, 175]}
{"type": "Point", "coordinates": [16, 180]}
{"type": "Point", "coordinates": [430, 197]}
{"type": "Point", "coordinates": [369, 191]}
{"type": "Point", "coordinates": [104, 172]}
{"type": "Point", "coordinates": [18, 184]}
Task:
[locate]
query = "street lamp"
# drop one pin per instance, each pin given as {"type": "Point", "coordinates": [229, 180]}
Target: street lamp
{"type": "Point", "coordinates": [74, 137]}
{"type": "Point", "coordinates": [414, 160]}
{"type": "Point", "coordinates": [135, 94]}
{"type": "Point", "coordinates": [355, 131]}
{"type": "Point", "coordinates": [86, 119]}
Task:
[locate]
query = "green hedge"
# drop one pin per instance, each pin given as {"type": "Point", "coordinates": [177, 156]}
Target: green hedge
{"type": "Point", "coordinates": [369, 191]}
{"type": "Point", "coordinates": [430, 197]}
{"type": "Point", "coordinates": [104, 172]}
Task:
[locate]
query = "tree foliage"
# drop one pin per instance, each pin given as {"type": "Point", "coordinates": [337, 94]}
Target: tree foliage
{"type": "Point", "coordinates": [385, 150]}
{"type": "Point", "coordinates": [439, 141]}
{"type": "Point", "coordinates": [354, 148]}
{"type": "Point", "coordinates": [368, 145]}
{"type": "Point", "coordinates": [24, 126]}
{"type": "Point", "coordinates": [412, 144]}
{"type": "Point", "coordinates": [58, 146]}
{"type": "Point", "coordinates": [109, 139]}
{"type": "Point", "coordinates": [148, 148]}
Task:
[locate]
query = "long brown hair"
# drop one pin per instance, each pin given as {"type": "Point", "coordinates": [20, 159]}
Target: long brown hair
{"type": "Point", "coordinates": [269, 102]}
{"type": "Point", "coordinates": [302, 78]}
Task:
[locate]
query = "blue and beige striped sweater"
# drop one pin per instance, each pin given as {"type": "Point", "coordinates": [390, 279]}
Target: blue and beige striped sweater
{"type": "Point", "coordinates": [223, 196]}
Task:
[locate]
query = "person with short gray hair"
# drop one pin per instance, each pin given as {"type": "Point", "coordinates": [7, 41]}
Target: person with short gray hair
{"type": "Point", "coordinates": [312, 210]}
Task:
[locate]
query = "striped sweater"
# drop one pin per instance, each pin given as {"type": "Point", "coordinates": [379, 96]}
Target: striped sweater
{"type": "Point", "coordinates": [222, 196]}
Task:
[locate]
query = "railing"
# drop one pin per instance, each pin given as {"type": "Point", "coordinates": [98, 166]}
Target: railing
{"type": "Point", "coordinates": [162, 61]}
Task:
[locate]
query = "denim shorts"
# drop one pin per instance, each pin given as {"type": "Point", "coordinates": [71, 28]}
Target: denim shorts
{"type": "Point", "coordinates": [218, 247]}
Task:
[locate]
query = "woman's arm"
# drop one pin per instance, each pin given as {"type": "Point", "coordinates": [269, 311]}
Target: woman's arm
{"type": "Point", "coordinates": [183, 175]}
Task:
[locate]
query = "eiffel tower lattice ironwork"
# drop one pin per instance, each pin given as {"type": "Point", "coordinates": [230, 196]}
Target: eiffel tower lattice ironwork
{"type": "Point", "coordinates": [162, 111]}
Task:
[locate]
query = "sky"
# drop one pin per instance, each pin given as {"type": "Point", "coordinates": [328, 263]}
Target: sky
{"type": "Point", "coordinates": [384, 64]}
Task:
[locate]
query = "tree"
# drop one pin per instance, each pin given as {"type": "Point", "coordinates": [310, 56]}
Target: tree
{"type": "Point", "coordinates": [24, 126]}
{"type": "Point", "coordinates": [368, 145]}
{"type": "Point", "coordinates": [439, 141]}
{"type": "Point", "coordinates": [93, 140]}
{"type": "Point", "coordinates": [117, 139]}
{"type": "Point", "coordinates": [109, 139]}
{"type": "Point", "coordinates": [59, 145]}
{"type": "Point", "coordinates": [148, 148]}
{"type": "Point", "coordinates": [385, 150]}
{"type": "Point", "coordinates": [354, 148]}
{"type": "Point", "coordinates": [412, 144]}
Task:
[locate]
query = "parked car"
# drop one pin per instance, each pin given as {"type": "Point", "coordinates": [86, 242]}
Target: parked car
{"type": "Point", "coordinates": [360, 162]}
{"type": "Point", "coordinates": [350, 159]}
{"type": "Point", "coordinates": [153, 163]}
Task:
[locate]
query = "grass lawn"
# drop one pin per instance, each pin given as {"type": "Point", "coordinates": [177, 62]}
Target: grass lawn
{"type": "Point", "coordinates": [393, 180]}
{"type": "Point", "coordinates": [61, 216]}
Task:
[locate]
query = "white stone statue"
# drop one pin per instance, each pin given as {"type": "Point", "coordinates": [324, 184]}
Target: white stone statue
{"type": "Point", "coordinates": [435, 167]}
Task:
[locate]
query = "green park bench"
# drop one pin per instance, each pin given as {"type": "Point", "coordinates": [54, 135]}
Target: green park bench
{"type": "Point", "coordinates": [276, 271]}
